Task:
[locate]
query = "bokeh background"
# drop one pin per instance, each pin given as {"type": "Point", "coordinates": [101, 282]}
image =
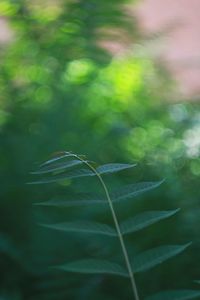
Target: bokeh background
{"type": "Point", "coordinates": [104, 79]}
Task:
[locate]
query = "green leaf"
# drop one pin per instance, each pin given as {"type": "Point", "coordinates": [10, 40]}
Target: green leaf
{"type": "Point", "coordinates": [175, 295]}
{"type": "Point", "coordinates": [155, 256]}
{"type": "Point", "coordinates": [197, 281]}
{"type": "Point", "coordinates": [64, 176]}
{"type": "Point", "coordinates": [94, 266]}
{"type": "Point", "coordinates": [63, 155]}
{"type": "Point", "coordinates": [111, 168]}
{"type": "Point", "coordinates": [69, 203]}
{"type": "Point", "coordinates": [81, 199]}
{"type": "Point", "coordinates": [132, 190]}
{"type": "Point", "coordinates": [144, 220]}
{"type": "Point", "coordinates": [84, 227]}
{"type": "Point", "coordinates": [58, 166]}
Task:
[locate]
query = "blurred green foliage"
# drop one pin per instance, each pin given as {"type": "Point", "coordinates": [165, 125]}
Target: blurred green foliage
{"type": "Point", "coordinates": [63, 89]}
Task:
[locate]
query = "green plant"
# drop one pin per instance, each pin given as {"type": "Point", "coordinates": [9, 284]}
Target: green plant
{"type": "Point", "coordinates": [66, 165]}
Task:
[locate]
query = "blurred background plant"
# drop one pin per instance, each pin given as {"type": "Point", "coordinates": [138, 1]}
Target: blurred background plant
{"type": "Point", "coordinates": [79, 75]}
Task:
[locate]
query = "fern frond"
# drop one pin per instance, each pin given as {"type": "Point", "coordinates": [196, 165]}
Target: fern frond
{"type": "Point", "coordinates": [66, 166]}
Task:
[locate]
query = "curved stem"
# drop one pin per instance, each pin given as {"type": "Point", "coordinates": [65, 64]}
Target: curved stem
{"type": "Point", "coordinates": [124, 250]}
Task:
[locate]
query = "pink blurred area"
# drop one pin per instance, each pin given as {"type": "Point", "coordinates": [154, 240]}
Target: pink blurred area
{"type": "Point", "coordinates": [6, 33]}
{"type": "Point", "coordinates": [182, 49]}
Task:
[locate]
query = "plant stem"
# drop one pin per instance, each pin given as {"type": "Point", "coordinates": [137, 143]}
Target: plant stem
{"type": "Point", "coordinates": [125, 253]}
